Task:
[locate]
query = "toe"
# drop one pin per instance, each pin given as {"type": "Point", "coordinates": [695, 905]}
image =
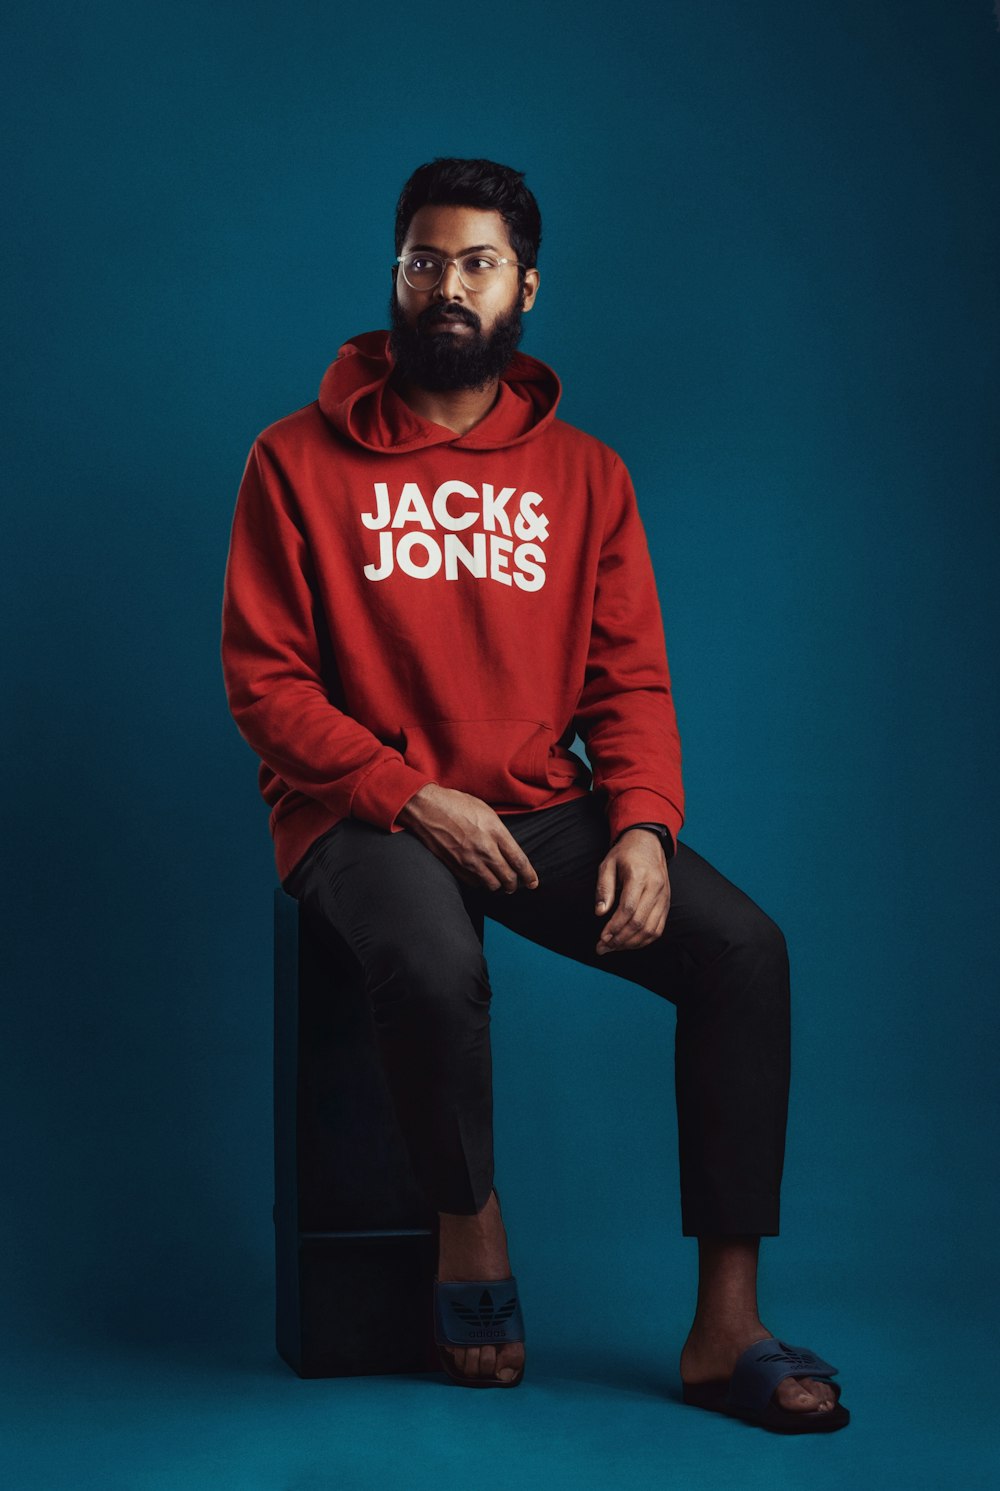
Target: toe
{"type": "Point", "coordinates": [503, 1363]}
{"type": "Point", "coordinates": [827, 1396]}
{"type": "Point", "coordinates": [510, 1360]}
{"type": "Point", "coordinates": [821, 1391]}
{"type": "Point", "coordinates": [465, 1360]}
{"type": "Point", "coordinates": [797, 1393]}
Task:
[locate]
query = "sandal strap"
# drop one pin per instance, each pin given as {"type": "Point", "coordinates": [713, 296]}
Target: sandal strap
{"type": "Point", "coordinates": [766, 1363]}
{"type": "Point", "coordinates": [477, 1313]}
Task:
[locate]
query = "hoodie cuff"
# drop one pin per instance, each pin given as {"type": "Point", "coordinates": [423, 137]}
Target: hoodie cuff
{"type": "Point", "coordinates": [638, 805]}
{"type": "Point", "coordinates": [385, 791]}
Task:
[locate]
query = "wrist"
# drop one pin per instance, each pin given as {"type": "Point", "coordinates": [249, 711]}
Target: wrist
{"type": "Point", "coordinates": [661, 831]}
{"type": "Point", "coordinates": [412, 809]}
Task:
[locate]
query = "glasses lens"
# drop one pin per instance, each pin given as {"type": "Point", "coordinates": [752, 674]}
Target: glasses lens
{"type": "Point", "coordinates": [478, 269]}
{"type": "Point", "coordinates": [422, 271]}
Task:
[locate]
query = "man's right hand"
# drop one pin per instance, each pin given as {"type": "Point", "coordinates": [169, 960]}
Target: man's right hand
{"type": "Point", "coordinates": [469, 837]}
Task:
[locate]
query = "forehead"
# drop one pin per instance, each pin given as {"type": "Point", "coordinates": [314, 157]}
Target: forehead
{"type": "Point", "coordinates": [454, 229]}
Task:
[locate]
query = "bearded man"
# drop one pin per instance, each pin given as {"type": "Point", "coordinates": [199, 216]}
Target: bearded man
{"type": "Point", "coordinates": [434, 586]}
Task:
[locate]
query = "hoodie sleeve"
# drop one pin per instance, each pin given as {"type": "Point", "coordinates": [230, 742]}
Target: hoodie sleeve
{"type": "Point", "coordinates": [272, 666]}
{"type": "Point", "coordinates": [625, 715]}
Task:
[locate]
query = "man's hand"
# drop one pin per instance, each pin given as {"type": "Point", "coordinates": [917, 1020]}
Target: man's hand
{"type": "Point", "coordinates": [637, 866]}
{"type": "Point", "coordinates": [469, 837]}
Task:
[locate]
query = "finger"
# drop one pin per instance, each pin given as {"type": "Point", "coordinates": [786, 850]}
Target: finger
{"type": "Point", "coordinates": [497, 873]}
{"type": "Point", "coordinates": [515, 857]}
{"type": "Point", "coordinates": [655, 921]}
{"type": "Point", "coordinates": [483, 878]}
{"type": "Point", "coordinates": [474, 867]}
{"type": "Point", "coordinates": [636, 907]}
{"type": "Point", "coordinates": [631, 884]}
{"type": "Point", "coordinates": [604, 891]}
{"type": "Point", "coordinates": [461, 872]}
{"type": "Point", "coordinates": [658, 917]}
{"type": "Point", "coordinates": [502, 874]}
{"type": "Point", "coordinates": [490, 866]}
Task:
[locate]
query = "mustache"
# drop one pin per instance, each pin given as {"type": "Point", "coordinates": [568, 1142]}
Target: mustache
{"type": "Point", "coordinates": [437, 313]}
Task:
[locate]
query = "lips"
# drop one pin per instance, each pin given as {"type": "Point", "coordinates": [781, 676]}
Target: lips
{"type": "Point", "coordinates": [448, 323]}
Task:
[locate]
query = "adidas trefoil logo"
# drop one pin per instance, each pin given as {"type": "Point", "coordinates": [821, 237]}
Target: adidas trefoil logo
{"type": "Point", "coordinates": [487, 1319]}
{"type": "Point", "coordinates": [787, 1354]}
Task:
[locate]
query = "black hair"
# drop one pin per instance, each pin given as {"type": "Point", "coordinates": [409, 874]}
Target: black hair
{"type": "Point", "coordinates": [451, 181]}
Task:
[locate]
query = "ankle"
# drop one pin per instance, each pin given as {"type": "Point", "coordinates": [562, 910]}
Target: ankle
{"type": "Point", "coordinates": [719, 1327]}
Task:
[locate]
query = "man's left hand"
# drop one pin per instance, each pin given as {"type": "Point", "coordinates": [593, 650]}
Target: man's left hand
{"type": "Point", "coordinates": [635, 870]}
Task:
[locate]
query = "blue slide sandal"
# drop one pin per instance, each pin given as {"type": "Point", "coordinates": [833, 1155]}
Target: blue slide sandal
{"type": "Point", "coordinates": [486, 1312]}
{"type": "Point", "coordinates": [747, 1394]}
{"type": "Point", "coordinates": [480, 1313]}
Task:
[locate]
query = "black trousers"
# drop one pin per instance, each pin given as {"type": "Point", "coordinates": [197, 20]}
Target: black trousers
{"type": "Point", "coordinates": [721, 961]}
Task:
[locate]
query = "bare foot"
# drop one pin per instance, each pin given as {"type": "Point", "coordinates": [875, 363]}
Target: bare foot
{"type": "Point", "coordinates": [711, 1354]}
{"type": "Point", "coordinates": [475, 1247]}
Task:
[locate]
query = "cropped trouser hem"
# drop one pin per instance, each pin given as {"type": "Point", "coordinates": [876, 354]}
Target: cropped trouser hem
{"type": "Point", "coordinates": [736, 1215]}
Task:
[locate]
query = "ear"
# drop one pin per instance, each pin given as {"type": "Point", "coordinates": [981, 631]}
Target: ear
{"type": "Point", "coordinates": [529, 289]}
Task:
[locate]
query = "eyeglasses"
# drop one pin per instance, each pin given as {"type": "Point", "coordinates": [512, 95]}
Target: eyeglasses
{"type": "Point", "coordinates": [476, 271]}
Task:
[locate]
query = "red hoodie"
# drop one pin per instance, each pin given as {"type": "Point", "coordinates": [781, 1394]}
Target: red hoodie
{"type": "Point", "coordinates": [405, 605]}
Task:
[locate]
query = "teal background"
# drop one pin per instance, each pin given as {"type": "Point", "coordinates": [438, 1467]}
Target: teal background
{"type": "Point", "coordinates": [769, 280]}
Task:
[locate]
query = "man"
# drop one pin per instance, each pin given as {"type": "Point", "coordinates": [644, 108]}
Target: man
{"type": "Point", "coordinates": [434, 585]}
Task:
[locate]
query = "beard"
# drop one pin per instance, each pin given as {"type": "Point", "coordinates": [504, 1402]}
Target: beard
{"type": "Point", "coordinates": [441, 360]}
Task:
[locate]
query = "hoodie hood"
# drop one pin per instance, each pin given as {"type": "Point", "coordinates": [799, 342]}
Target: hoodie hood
{"type": "Point", "coordinates": [361, 404]}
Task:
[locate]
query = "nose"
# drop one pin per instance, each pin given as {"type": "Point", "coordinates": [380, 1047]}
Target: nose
{"type": "Point", "coordinates": [449, 286]}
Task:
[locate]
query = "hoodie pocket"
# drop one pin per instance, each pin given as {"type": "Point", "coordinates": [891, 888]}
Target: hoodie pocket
{"type": "Point", "coordinates": [495, 759]}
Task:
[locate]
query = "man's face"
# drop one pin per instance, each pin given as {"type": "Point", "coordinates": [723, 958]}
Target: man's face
{"type": "Point", "coordinates": [452, 337]}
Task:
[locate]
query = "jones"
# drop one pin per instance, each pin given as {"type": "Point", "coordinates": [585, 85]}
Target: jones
{"type": "Point", "coordinates": [421, 557]}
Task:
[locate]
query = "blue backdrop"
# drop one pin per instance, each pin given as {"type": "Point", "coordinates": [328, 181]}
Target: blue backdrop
{"type": "Point", "coordinates": [769, 280]}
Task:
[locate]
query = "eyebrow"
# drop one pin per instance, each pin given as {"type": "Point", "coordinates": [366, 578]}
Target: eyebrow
{"type": "Point", "coordinates": [430, 248]}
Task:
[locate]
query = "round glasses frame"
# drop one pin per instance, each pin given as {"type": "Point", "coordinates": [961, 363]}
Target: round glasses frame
{"type": "Point", "coordinates": [403, 260]}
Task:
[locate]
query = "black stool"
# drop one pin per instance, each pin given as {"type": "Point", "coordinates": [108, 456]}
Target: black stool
{"type": "Point", "coordinates": [355, 1241]}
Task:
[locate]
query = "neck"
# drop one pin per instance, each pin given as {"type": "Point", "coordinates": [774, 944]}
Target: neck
{"type": "Point", "coordinates": [458, 409]}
